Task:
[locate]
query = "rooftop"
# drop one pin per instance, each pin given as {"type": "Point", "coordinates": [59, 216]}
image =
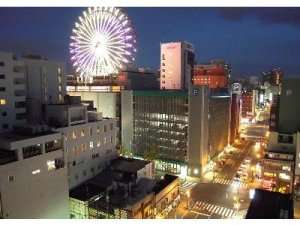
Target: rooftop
{"type": "Point", "coordinates": [160, 93]}
{"type": "Point", "coordinates": [161, 184]}
{"type": "Point", "coordinates": [128, 165]}
{"type": "Point", "coordinates": [270, 205]}
{"type": "Point", "coordinates": [19, 136]}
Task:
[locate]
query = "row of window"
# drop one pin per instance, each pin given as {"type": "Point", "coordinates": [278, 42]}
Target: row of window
{"type": "Point", "coordinates": [84, 132]}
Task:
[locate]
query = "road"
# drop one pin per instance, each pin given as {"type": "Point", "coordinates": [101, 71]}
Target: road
{"type": "Point", "coordinates": [218, 197]}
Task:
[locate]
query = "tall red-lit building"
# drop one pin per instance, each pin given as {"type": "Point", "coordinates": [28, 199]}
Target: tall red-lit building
{"type": "Point", "coordinates": [215, 74]}
{"type": "Point", "coordinates": [248, 103]}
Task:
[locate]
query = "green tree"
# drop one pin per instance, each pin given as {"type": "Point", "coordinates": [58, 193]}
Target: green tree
{"type": "Point", "coordinates": [151, 154]}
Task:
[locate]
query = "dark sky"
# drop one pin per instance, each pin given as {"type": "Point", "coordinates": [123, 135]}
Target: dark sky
{"type": "Point", "coordinates": [251, 39]}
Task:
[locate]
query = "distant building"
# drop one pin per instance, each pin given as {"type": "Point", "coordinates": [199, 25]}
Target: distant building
{"type": "Point", "coordinates": [33, 174]}
{"type": "Point", "coordinates": [215, 74]}
{"type": "Point", "coordinates": [235, 111]}
{"type": "Point", "coordinates": [89, 138]}
{"type": "Point", "coordinates": [176, 65]}
{"type": "Point", "coordinates": [12, 92]}
{"type": "Point", "coordinates": [185, 128]}
{"type": "Point", "coordinates": [248, 103]}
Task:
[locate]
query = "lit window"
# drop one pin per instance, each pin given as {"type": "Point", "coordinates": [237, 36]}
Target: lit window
{"type": "Point", "coordinates": [299, 165]}
{"type": "Point", "coordinates": [91, 144]}
{"type": "Point", "coordinates": [36, 172]}
{"type": "Point", "coordinates": [98, 144]}
{"type": "Point", "coordinates": [196, 171]}
{"type": "Point", "coordinates": [2, 101]}
{"type": "Point", "coordinates": [98, 130]}
{"type": "Point", "coordinates": [51, 165]}
{"type": "Point", "coordinates": [104, 141]}
{"type": "Point", "coordinates": [73, 135]}
{"type": "Point", "coordinates": [82, 133]}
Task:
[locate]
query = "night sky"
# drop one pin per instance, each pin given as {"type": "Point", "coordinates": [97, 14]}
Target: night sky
{"type": "Point", "coordinates": [252, 40]}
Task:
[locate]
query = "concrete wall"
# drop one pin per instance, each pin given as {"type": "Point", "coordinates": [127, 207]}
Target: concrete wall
{"type": "Point", "coordinates": [88, 149]}
{"type": "Point", "coordinates": [41, 195]}
{"type": "Point", "coordinates": [127, 119]}
{"type": "Point", "coordinates": [12, 71]}
{"type": "Point", "coordinates": [198, 129]}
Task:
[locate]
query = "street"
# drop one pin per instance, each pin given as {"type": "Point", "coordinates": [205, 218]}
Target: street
{"type": "Point", "coordinates": [221, 196]}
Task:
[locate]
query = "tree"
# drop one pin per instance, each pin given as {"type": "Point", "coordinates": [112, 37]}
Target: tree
{"type": "Point", "coordinates": [151, 154]}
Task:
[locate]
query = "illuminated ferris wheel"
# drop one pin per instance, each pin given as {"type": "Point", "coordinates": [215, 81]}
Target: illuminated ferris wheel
{"type": "Point", "coordinates": [102, 42]}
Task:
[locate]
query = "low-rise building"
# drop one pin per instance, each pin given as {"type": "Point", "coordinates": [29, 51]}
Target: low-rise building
{"type": "Point", "coordinates": [89, 139]}
{"type": "Point", "coordinates": [33, 175]}
{"type": "Point", "coordinates": [125, 189]}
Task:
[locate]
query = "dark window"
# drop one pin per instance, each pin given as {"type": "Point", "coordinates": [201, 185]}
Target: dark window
{"type": "Point", "coordinates": [84, 173]}
{"type": "Point", "coordinates": [2, 76]}
{"type": "Point", "coordinates": [21, 116]}
{"type": "Point", "coordinates": [20, 104]}
{"type": "Point", "coordinates": [4, 113]}
{"type": "Point", "coordinates": [2, 88]}
{"type": "Point", "coordinates": [2, 64]}
{"type": "Point", "coordinates": [11, 178]}
{"type": "Point", "coordinates": [5, 126]}
{"type": "Point", "coordinates": [74, 163]}
{"type": "Point", "coordinates": [32, 151]}
{"type": "Point", "coordinates": [287, 139]}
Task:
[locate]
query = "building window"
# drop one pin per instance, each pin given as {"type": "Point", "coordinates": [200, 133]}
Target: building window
{"type": "Point", "coordinates": [51, 165]}
{"type": "Point", "coordinates": [32, 151]}
{"type": "Point", "coordinates": [5, 126]}
{"type": "Point", "coordinates": [84, 173]}
{"type": "Point", "coordinates": [73, 135]}
{"type": "Point", "coordinates": [4, 113]}
{"type": "Point", "coordinates": [11, 178]}
{"type": "Point", "coordinates": [74, 163]}
{"type": "Point", "coordinates": [98, 143]}
{"type": "Point", "coordinates": [2, 101]}
{"type": "Point", "coordinates": [286, 139]}
{"type": "Point", "coordinates": [91, 132]}
{"type": "Point", "coordinates": [91, 144]}
{"type": "Point", "coordinates": [76, 176]}
{"type": "Point", "coordinates": [82, 133]}
{"type": "Point", "coordinates": [104, 140]}
{"type": "Point", "coordinates": [98, 130]}
{"type": "Point", "coordinates": [111, 139]}
{"type": "Point", "coordinates": [105, 128]}
{"type": "Point", "coordinates": [111, 126]}
{"type": "Point", "coordinates": [92, 169]}
{"type": "Point", "coordinates": [34, 172]}
{"type": "Point", "coordinates": [2, 64]}
{"type": "Point", "coordinates": [2, 76]}
{"type": "Point", "coordinates": [2, 88]}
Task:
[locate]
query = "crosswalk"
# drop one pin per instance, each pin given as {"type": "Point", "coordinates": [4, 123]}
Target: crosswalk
{"type": "Point", "coordinates": [185, 186]}
{"type": "Point", "coordinates": [229, 182]}
{"type": "Point", "coordinates": [214, 209]}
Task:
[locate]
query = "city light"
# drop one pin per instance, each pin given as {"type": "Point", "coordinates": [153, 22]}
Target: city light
{"type": "Point", "coordinates": [251, 193]}
{"type": "Point", "coordinates": [102, 42]}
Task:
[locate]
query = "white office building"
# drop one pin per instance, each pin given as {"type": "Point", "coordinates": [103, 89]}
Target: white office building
{"type": "Point", "coordinates": [176, 65]}
{"type": "Point", "coordinates": [12, 92]}
{"type": "Point", "coordinates": [33, 175]}
{"type": "Point", "coordinates": [89, 139]}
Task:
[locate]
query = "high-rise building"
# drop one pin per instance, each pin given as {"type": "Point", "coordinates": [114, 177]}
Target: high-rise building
{"type": "Point", "coordinates": [235, 108]}
{"type": "Point", "coordinates": [176, 65]}
{"type": "Point", "coordinates": [12, 92]}
{"type": "Point", "coordinates": [186, 128]}
{"type": "Point", "coordinates": [215, 74]}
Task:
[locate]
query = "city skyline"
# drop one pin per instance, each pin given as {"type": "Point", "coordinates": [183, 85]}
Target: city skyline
{"type": "Point", "coordinates": [250, 39]}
